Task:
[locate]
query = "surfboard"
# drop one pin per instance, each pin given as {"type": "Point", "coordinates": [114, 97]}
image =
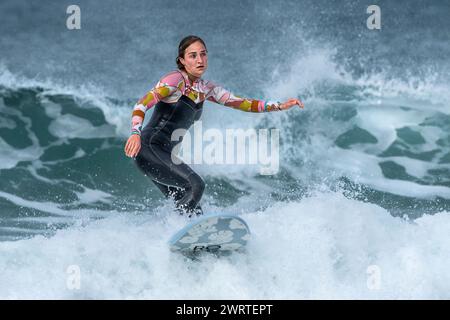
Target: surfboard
{"type": "Point", "coordinates": [214, 233]}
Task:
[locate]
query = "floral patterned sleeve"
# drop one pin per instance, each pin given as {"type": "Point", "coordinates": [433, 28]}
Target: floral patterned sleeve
{"type": "Point", "coordinates": [222, 96]}
{"type": "Point", "coordinates": [168, 85]}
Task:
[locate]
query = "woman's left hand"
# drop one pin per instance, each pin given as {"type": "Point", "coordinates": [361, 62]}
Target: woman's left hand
{"type": "Point", "coordinates": [290, 103]}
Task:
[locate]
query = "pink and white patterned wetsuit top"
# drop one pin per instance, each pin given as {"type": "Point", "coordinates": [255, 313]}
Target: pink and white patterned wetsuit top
{"type": "Point", "coordinates": [176, 83]}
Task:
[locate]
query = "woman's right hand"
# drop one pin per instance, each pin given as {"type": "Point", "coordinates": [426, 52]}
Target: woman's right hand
{"type": "Point", "coordinates": [133, 145]}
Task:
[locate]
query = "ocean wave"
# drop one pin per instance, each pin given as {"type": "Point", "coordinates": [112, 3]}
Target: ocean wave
{"type": "Point", "coordinates": [322, 247]}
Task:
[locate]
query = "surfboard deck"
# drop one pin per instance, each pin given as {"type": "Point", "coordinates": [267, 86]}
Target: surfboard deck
{"type": "Point", "coordinates": [213, 233]}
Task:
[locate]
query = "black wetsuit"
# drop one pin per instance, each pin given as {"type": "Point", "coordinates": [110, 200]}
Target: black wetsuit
{"type": "Point", "coordinates": [154, 158]}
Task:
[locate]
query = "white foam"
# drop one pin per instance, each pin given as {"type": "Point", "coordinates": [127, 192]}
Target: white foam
{"type": "Point", "coordinates": [418, 93]}
{"type": "Point", "coordinates": [7, 123]}
{"type": "Point", "coordinates": [70, 126]}
{"type": "Point", "coordinates": [50, 207]}
{"type": "Point", "coordinates": [320, 247]}
{"type": "Point", "coordinates": [364, 168]}
{"type": "Point", "coordinates": [407, 188]}
{"type": "Point", "coordinates": [413, 167]}
{"type": "Point", "coordinates": [309, 70]}
{"type": "Point", "coordinates": [91, 195]}
{"type": "Point", "coordinates": [383, 121]}
{"type": "Point", "coordinates": [10, 157]}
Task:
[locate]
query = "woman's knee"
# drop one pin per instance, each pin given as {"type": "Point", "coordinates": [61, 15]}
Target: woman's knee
{"type": "Point", "coordinates": [197, 184]}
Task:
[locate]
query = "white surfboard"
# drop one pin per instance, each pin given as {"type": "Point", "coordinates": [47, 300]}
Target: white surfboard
{"type": "Point", "coordinates": [215, 233]}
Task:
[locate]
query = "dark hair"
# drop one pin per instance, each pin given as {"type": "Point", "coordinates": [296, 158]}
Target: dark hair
{"type": "Point", "coordinates": [186, 42]}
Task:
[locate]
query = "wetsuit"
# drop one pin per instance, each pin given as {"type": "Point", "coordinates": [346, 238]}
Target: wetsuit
{"type": "Point", "coordinates": [178, 103]}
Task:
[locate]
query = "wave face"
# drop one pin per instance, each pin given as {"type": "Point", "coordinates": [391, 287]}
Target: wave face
{"type": "Point", "coordinates": [364, 177]}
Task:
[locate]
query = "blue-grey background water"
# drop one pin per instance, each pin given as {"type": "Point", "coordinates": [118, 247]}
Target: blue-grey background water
{"type": "Point", "coordinates": [364, 175]}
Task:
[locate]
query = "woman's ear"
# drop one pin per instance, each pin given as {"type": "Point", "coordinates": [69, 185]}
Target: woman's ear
{"type": "Point", "coordinates": [181, 60]}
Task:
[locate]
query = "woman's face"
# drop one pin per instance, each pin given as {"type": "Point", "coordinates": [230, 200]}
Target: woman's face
{"type": "Point", "coordinates": [195, 59]}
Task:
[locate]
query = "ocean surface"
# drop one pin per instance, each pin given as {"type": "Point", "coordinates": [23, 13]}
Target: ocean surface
{"type": "Point", "coordinates": [360, 206]}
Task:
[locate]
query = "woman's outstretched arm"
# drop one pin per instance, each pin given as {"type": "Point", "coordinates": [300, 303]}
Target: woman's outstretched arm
{"type": "Point", "coordinates": [222, 96]}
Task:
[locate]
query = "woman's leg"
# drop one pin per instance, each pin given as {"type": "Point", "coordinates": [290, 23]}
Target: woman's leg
{"type": "Point", "coordinates": [176, 194]}
{"type": "Point", "coordinates": [177, 180]}
{"type": "Point", "coordinates": [169, 191]}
